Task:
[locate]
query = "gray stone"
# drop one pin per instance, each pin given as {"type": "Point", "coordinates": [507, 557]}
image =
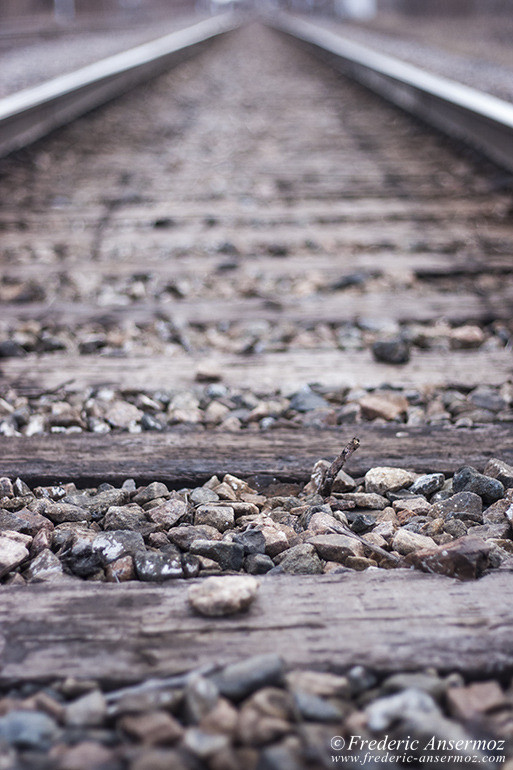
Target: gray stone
{"type": "Point", "coordinates": [409, 705]}
{"type": "Point", "coordinates": [184, 535]}
{"type": "Point", "coordinates": [370, 500]}
{"type": "Point", "coordinates": [28, 729]}
{"type": "Point", "coordinates": [203, 744]}
{"type": "Point", "coordinates": [168, 513]}
{"type": "Point", "coordinates": [467, 479]}
{"type": "Point", "coordinates": [151, 492]}
{"type": "Point", "coordinates": [301, 560]}
{"type": "Point", "coordinates": [200, 697]}
{"type": "Point", "coordinates": [306, 400]}
{"type": "Point", "coordinates": [23, 521]}
{"type": "Point", "coordinates": [463, 502]}
{"type": "Point", "coordinates": [316, 709]}
{"type": "Point", "coordinates": [151, 566]}
{"type": "Point", "coordinates": [44, 568]}
{"type": "Point", "coordinates": [99, 504]}
{"type": "Point", "coordinates": [58, 513]}
{"type": "Point", "coordinates": [229, 556]}
{"type": "Point", "coordinates": [487, 398]}
{"type": "Point", "coordinates": [238, 680]}
{"type": "Point", "coordinates": [392, 351]}
{"type": "Point", "coordinates": [258, 563]}
{"type": "Point", "coordinates": [203, 495]}
{"type": "Point", "coordinates": [427, 484]}
{"type": "Point", "coordinates": [336, 547]}
{"type": "Point", "coordinates": [12, 554]}
{"type": "Point", "coordinates": [88, 711]}
{"type": "Point", "coordinates": [500, 470]}
{"type": "Point", "coordinates": [252, 541]}
{"type": "Point", "coordinates": [20, 489]}
{"type": "Point", "coordinates": [223, 595]}
{"type": "Point", "coordinates": [129, 517]}
{"type": "Point", "coordinates": [343, 482]}
{"type": "Point", "coordinates": [111, 546]}
{"type": "Point", "coordinates": [222, 517]}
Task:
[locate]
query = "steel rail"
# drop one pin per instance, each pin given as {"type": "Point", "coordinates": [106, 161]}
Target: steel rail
{"type": "Point", "coordinates": [30, 114]}
{"type": "Point", "coordinates": [478, 119]}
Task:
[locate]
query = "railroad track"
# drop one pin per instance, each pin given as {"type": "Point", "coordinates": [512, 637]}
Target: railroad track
{"type": "Point", "coordinates": [223, 291]}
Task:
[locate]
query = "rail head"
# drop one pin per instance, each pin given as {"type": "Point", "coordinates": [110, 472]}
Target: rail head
{"type": "Point", "coordinates": [481, 120]}
{"type": "Point", "coordinates": [30, 114]}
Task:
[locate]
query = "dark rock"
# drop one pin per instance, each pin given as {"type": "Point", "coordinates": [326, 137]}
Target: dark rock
{"type": "Point", "coordinates": [111, 546]}
{"type": "Point", "coordinates": [258, 563]}
{"type": "Point", "coordinates": [6, 488]}
{"type": "Point", "coordinates": [305, 400]}
{"type": "Point", "coordinates": [301, 560]}
{"type": "Point", "coordinates": [11, 349]}
{"type": "Point", "coordinates": [487, 398]}
{"type": "Point", "coordinates": [393, 351]}
{"type": "Point", "coordinates": [229, 556]}
{"type": "Point", "coordinates": [467, 503]}
{"type": "Point", "coordinates": [99, 504]}
{"type": "Point", "coordinates": [149, 422]}
{"type": "Point", "coordinates": [155, 567]}
{"type": "Point", "coordinates": [501, 471]}
{"type": "Point", "coordinates": [252, 541]}
{"type": "Point", "coordinates": [190, 565]}
{"type": "Point", "coordinates": [428, 484]}
{"type": "Point", "coordinates": [239, 680]}
{"type": "Point", "coordinates": [467, 479]}
{"type": "Point", "coordinates": [465, 558]}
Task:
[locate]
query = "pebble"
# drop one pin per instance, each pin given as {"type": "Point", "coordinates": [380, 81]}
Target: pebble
{"type": "Point", "coordinates": [392, 351]}
{"type": "Point", "coordinates": [384, 479]}
{"type": "Point", "coordinates": [301, 560]}
{"type": "Point", "coordinates": [501, 471]}
{"type": "Point", "coordinates": [28, 729]}
{"type": "Point", "coordinates": [239, 680]}
{"type": "Point", "coordinates": [465, 558]}
{"type": "Point", "coordinates": [427, 484]}
{"type": "Point", "coordinates": [229, 556]}
{"type": "Point", "coordinates": [90, 710]}
{"type": "Point", "coordinates": [220, 517]}
{"type": "Point", "coordinates": [258, 563]}
{"type": "Point", "coordinates": [405, 542]}
{"type": "Point", "coordinates": [227, 595]}
{"type": "Point", "coordinates": [12, 554]}
{"type": "Point", "coordinates": [467, 479]}
{"type": "Point", "coordinates": [151, 566]}
{"type": "Point", "coordinates": [335, 547]}
{"type": "Point", "coordinates": [468, 504]}
{"type": "Point", "coordinates": [306, 400]}
{"type": "Point", "coordinates": [155, 728]}
{"type": "Point", "coordinates": [44, 568]}
{"type": "Point", "coordinates": [388, 406]}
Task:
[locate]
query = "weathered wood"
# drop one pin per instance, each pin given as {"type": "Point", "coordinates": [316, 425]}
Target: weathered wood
{"type": "Point", "coordinates": [331, 267]}
{"type": "Point", "coordinates": [388, 621]}
{"type": "Point", "coordinates": [187, 457]}
{"type": "Point", "coordinates": [285, 371]}
{"type": "Point", "coordinates": [401, 306]}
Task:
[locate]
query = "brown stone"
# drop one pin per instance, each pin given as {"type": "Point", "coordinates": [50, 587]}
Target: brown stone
{"type": "Point", "coordinates": [336, 547]}
{"type": "Point", "coordinates": [120, 570]}
{"type": "Point", "coordinates": [87, 755]}
{"type": "Point", "coordinates": [478, 698]}
{"type": "Point", "coordinates": [465, 558]}
{"type": "Point", "coordinates": [155, 728]}
{"type": "Point", "coordinates": [388, 406]}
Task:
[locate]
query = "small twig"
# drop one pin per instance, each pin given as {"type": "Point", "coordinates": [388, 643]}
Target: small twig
{"type": "Point", "coordinates": [337, 465]}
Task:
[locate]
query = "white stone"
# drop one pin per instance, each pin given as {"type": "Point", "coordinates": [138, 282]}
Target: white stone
{"type": "Point", "coordinates": [223, 595]}
{"type": "Point", "coordinates": [406, 542]}
{"type": "Point", "coordinates": [12, 554]}
{"type": "Point", "coordinates": [385, 479]}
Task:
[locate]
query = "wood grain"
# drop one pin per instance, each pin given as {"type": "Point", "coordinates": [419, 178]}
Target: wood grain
{"type": "Point", "coordinates": [187, 457]}
{"type": "Point", "coordinates": [388, 621]}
